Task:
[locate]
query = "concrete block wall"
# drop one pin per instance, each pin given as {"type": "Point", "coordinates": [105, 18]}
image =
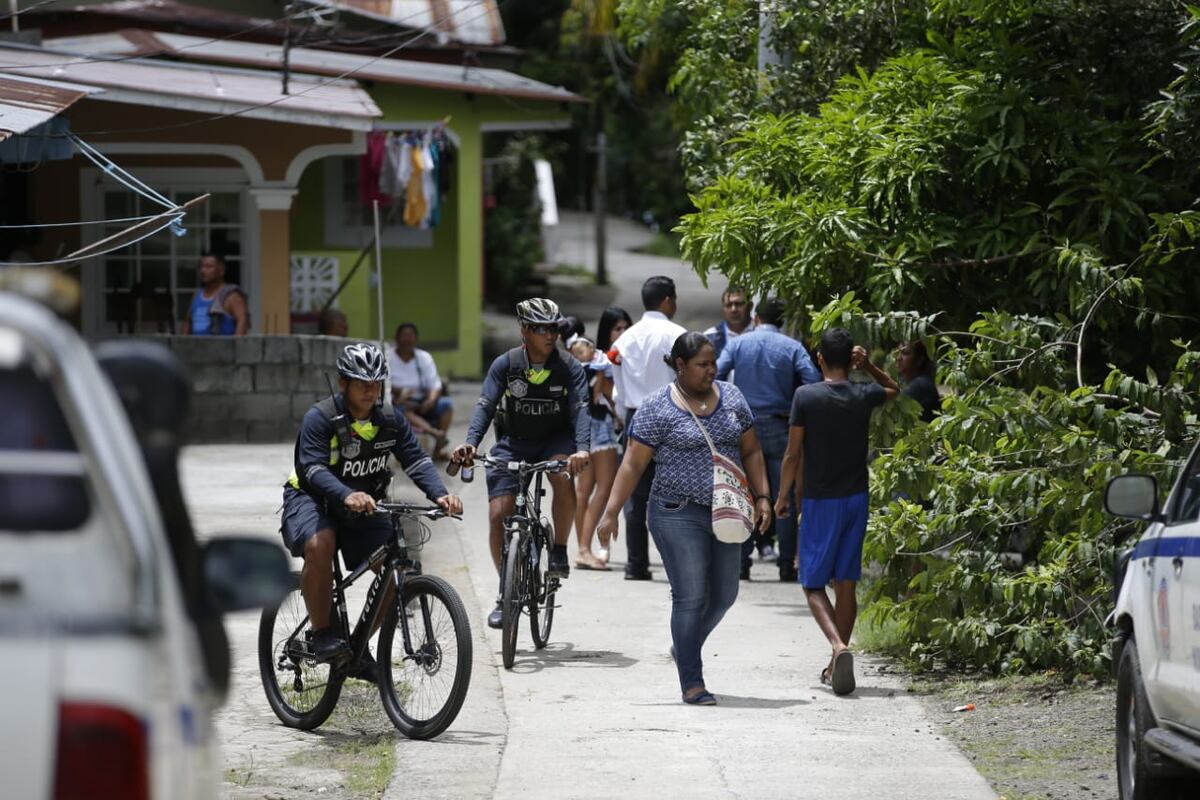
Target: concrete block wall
{"type": "Point", "coordinates": [253, 388]}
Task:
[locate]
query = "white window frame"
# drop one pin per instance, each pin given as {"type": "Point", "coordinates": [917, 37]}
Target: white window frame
{"type": "Point", "coordinates": [339, 234]}
{"type": "Point", "coordinates": [92, 184]}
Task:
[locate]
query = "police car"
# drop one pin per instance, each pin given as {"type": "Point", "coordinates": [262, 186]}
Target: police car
{"type": "Point", "coordinates": [1157, 648]}
{"type": "Point", "coordinates": [112, 648]}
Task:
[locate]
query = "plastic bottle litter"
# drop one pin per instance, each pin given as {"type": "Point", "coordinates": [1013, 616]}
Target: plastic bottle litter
{"type": "Point", "coordinates": [967, 707]}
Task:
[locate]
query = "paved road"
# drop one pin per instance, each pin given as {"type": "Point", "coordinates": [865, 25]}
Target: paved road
{"type": "Point", "coordinates": [596, 714]}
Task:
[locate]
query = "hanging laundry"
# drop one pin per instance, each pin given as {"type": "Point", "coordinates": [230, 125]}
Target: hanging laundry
{"type": "Point", "coordinates": [435, 185]}
{"type": "Point", "coordinates": [389, 182]}
{"type": "Point", "coordinates": [369, 169]}
{"type": "Point", "coordinates": [428, 180]}
{"type": "Point", "coordinates": [415, 206]}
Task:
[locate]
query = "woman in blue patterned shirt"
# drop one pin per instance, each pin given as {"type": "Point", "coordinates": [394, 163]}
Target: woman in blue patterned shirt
{"type": "Point", "coordinates": [702, 570]}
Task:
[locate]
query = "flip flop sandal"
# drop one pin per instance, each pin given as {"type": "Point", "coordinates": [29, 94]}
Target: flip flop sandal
{"type": "Point", "coordinates": [842, 678]}
{"type": "Point", "coordinates": [825, 677]}
{"type": "Point", "coordinates": [702, 699]}
{"type": "Point", "coordinates": [583, 566]}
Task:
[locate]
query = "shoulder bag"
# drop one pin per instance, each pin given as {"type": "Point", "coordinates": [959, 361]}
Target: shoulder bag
{"type": "Point", "coordinates": [732, 509]}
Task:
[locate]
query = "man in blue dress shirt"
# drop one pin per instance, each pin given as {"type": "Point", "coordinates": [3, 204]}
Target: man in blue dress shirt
{"type": "Point", "coordinates": [768, 367]}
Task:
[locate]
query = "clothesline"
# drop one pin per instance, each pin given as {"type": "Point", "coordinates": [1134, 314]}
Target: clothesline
{"type": "Point", "coordinates": [408, 169]}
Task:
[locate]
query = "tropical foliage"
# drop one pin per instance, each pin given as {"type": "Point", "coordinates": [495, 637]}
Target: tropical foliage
{"type": "Point", "coordinates": [1013, 180]}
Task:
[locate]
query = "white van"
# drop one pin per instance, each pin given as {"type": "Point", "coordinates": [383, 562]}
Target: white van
{"type": "Point", "coordinates": [1157, 648]}
{"type": "Point", "coordinates": [112, 649]}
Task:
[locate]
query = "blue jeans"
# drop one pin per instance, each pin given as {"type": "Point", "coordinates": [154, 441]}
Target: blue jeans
{"type": "Point", "coordinates": [772, 432]}
{"type": "Point", "coordinates": [704, 578]}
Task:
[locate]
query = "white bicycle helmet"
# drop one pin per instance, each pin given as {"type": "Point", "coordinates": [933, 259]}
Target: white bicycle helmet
{"type": "Point", "coordinates": [362, 362]}
{"type": "Point", "coordinates": [538, 311]}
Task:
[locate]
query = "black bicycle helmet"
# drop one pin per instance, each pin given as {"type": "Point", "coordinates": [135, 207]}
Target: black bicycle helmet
{"type": "Point", "coordinates": [538, 311]}
{"type": "Point", "coordinates": [362, 362]}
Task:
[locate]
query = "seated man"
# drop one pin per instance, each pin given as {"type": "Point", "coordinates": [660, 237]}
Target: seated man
{"type": "Point", "coordinates": [540, 403]}
{"type": "Point", "coordinates": [417, 389]}
{"type": "Point", "coordinates": [341, 466]}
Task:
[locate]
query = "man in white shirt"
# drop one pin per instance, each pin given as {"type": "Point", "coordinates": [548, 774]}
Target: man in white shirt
{"type": "Point", "coordinates": [417, 389]}
{"type": "Point", "coordinates": [639, 367]}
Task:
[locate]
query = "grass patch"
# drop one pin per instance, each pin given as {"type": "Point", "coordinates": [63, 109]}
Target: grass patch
{"type": "Point", "coordinates": [572, 271]}
{"type": "Point", "coordinates": [240, 776]}
{"type": "Point", "coordinates": [665, 245]}
{"type": "Point", "coordinates": [366, 761]}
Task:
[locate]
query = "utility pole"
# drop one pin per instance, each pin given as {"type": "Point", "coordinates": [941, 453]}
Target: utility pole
{"type": "Point", "coordinates": [766, 32]}
{"type": "Point", "coordinates": [600, 205]}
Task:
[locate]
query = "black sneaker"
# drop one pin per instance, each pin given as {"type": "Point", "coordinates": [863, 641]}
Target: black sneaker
{"type": "Point", "coordinates": [745, 573]}
{"type": "Point", "coordinates": [560, 565]}
{"type": "Point", "coordinates": [788, 574]}
{"type": "Point", "coordinates": [326, 646]}
{"type": "Point", "coordinates": [365, 669]}
{"type": "Point", "coordinates": [644, 575]}
{"type": "Point", "coordinates": [496, 618]}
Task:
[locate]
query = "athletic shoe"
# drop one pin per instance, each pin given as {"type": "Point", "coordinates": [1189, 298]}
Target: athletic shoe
{"type": "Point", "coordinates": [365, 669]}
{"type": "Point", "coordinates": [560, 565]}
{"type": "Point", "coordinates": [326, 646]}
{"type": "Point", "coordinates": [496, 618]}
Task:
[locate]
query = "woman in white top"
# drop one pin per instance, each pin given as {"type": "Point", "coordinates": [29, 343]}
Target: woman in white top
{"type": "Point", "coordinates": [417, 390]}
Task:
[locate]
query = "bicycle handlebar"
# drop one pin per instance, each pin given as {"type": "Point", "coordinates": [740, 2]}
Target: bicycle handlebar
{"type": "Point", "coordinates": [410, 510]}
{"type": "Point", "coordinates": [528, 467]}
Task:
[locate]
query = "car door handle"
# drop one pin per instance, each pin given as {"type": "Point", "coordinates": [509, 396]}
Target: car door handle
{"type": "Point", "coordinates": [1177, 563]}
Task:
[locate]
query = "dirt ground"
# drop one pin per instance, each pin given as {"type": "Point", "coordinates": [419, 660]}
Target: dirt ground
{"type": "Point", "coordinates": [1032, 736]}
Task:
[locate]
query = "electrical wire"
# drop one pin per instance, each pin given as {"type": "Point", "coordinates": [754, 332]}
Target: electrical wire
{"type": "Point", "coordinates": [172, 220]}
{"type": "Point", "coordinates": [78, 223]}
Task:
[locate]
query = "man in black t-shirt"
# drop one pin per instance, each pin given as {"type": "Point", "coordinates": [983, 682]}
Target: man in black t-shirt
{"type": "Point", "coordinates": [827, 449]}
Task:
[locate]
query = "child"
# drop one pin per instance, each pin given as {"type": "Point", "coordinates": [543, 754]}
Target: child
{"type": "Point", "coordinates": [828, 437]}
{"type": "Point", "coordinates": [593, 485]}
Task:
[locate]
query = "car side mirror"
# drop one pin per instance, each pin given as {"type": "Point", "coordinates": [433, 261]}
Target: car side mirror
{"type": "Point", "coordinates": [1133, 497]}
{"type": "Point", "coordinates": [242, 573]}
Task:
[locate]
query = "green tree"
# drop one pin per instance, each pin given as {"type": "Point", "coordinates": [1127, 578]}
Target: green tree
{"type": "Point", "coordinates": [1014, 181]}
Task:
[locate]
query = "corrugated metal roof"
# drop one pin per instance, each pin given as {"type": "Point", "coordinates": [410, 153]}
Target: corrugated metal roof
{"type": "Point", "coordinates": [476, 80]}
{"type": "Point", "coordinates": [26, 103]}
{"type": "Point", "coordinates": [469, 21]}
{"type": "Point", "coordinates": [210, 90]}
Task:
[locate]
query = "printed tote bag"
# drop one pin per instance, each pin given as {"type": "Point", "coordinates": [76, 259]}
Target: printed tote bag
{"type": "Point", "coordinates": [732, 509]}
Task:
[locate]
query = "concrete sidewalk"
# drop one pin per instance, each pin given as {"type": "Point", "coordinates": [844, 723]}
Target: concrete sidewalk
{"type": "Point", "coordinates": [597, 713]}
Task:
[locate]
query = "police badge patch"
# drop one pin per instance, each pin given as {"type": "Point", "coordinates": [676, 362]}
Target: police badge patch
{"type": "Point", "coordinates": [350, 449]}
{"type": "Point", "coordinates": [518, 388]}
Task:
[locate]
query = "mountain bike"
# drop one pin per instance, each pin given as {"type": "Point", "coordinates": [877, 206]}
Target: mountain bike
{"type": "Point", "coordinates": [423, 652]}
{"type": "Point", "coordinates": [527, 585]}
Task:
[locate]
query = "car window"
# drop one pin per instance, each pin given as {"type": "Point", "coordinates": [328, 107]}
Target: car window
{"type": "Point", "coordinates": [65, 559]}
{"type": "Point", "coordinates": [1186, 502]}
{"type": "Point", "coordinates": [42, 482]}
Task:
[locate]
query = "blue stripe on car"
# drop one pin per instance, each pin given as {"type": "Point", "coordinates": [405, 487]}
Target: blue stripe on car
{"type": "Point", "coordinates": [1168, 547]}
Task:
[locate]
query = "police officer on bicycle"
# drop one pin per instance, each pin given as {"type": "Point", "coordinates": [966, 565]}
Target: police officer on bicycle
{"type": "Point", "coordinates": [341, 466]}
{"type": "Point", "coordinates": [539, 402]}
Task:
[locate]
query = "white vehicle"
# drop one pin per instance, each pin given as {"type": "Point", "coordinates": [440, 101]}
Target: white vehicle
{"type": "Point", "coordinates": [1157, 648]}
{"type": "Point", "coordinates": [112, 649]}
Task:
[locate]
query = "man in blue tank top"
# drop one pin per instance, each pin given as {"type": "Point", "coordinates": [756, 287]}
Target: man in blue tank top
{"type": "Point", "coordinates": [218, 308]}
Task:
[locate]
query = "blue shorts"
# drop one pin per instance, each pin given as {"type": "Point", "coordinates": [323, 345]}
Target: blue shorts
{"type": "Point", "coordinates": [501, 482]}
{"type": "Point", "coordinates": [831, 539]}
{"type": "Point", "coordinates": [440, 407]}
{"type": "Point", "coordinates": [357, 536]}
{"type": "Point", "coordinates": [604, 435]}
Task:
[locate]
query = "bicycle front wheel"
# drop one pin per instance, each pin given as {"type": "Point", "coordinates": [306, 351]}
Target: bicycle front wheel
{"type": "Point", "coordinates": [541, 594]}
{"type": "Point", "coordinates": [423, 677]}
{"type": "Point", "coordinates": [301, 691]}
{"type": "Point", "coordinates": [510, 602]}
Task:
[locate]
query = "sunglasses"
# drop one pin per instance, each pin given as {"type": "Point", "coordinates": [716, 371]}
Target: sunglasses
{"type": "Point", "coordinates": [542, 329]}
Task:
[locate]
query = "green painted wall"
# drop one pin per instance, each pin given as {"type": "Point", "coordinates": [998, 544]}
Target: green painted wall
{"type": "Point", "coordinates": [440, 288]}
